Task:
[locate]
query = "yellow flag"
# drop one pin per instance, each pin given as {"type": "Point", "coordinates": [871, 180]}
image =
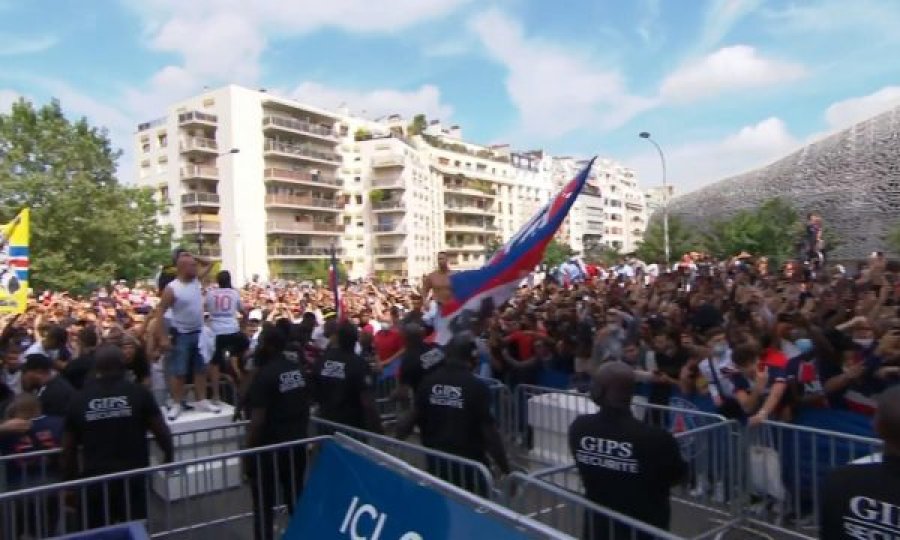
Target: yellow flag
{"type": "Point", "coordinates": [14, 264]}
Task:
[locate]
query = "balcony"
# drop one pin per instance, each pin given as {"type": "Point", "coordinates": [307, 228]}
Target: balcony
{"type": "Point", "coordinates": [457, 208]}
{"type": "Point", "coordinates": [389, 251]}
{"type": "Point", "coordinates": [214, 252]}
{"type": "Point", "coordinates": [468, 226]}
{"type": "Point", "coordinates": [465, 246]}
{"type": "Point", "coordinates": [476, 190]}
{"type": "Point", "coordinates": [304, 152]}
{"type": "Point", "coordinates": [201, 226]}
{"type": "Point", "coordinates": [195, 198]}
{"type": "Point", "coordinates": [199, 172]}
{"type": "Point", "coordinates": [304, 227]}
{"type": "Point", "coordinates": [290, 201]}
{"type": "Point", "coordinates": [200, 146]}
{"type": "Point", "coordinates": [197, 118]}
{"type": "Point", "coordinates": [292, 125]}
{"type": "Point", "coordinates": [388, 182]}
{"type": "Point", "coordinates": [389, 206]}
{"type": "Point", "coordinates": [295, 252]}
{"type": "Point", "coordinates": [386, 161]}
{"type": "Point", "coordinates": [389, 228]}
{"type": "Point", "coordinates": [301, 177]}
{"type": "Point", "coordinates": [633, 207]}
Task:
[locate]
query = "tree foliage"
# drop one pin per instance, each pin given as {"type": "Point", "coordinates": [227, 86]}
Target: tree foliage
{"type": "Point", "coordinates": [682, 239]}
{"type": "Point", "coordinates": [86, 227]}
{"type": "Point", "coordinates": [893, 238]}
{"type": "Point", "coordinates": [557, 253]}
{"type": "Point", "coordinates": [418, 125]}
{"type": "Point", "coordinates": [771, 229]}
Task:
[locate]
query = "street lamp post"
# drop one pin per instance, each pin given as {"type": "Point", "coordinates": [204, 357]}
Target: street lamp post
{"type": "Point", "coordinates": [200, 214]}
{"type": "Point", "coordinates": [662, 160]}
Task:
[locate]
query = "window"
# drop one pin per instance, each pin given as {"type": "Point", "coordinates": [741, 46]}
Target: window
{"type": "Point", "coordinates": [356, 179]}
{"type": "Point", "coordinates": [358, 199]}
{"type": "Point", "coordinates": [145, 147]}
{"type": "Point", "coordinates": [163, 140]}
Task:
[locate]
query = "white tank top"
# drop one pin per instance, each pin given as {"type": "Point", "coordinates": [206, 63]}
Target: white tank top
{"type": "Point", "coordinates": [187, 310]}
{"type": "Point", "coordinates": [223, 306]}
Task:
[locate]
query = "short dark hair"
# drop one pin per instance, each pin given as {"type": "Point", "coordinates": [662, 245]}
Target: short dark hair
{"type": "Point", "coordinates": [223, 278]}
{"type": "Point", "coordinates": [37, 362]}
{"type": "Point", "coordinates": [109, 359]}
{"type": "Point", "coordinates": [745, 354]}
{"type": "Point", "coordinates": [87, 336]}
{"type": "Point", "coordinates": [58, 335]}
{"type": "Point", "coordinates": [347, 336]}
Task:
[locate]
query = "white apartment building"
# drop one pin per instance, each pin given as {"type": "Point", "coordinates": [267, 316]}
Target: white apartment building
{"type": "Point", "coordinates": [658, 196]}
{"type": "Point", "coordinates": [269, 186]}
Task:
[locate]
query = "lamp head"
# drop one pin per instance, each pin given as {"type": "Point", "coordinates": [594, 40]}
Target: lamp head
{"type": "Point", "coordinates": [644, 135]}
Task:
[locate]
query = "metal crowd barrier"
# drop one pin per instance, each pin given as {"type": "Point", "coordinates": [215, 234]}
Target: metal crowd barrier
{"type": "Point", "coordinates": [572, 514]}
{"type": "Point", "coordinates": [541, 418]}
{"type": "Point", "coordinates": [786, 467]}
{"type": "Point", "coordinates": [32, 469]}
{"type": "Point", "coordinates": [467, 474]}
{"type": "Point", "coordinates": [710, 501]}
{"type": "Point", "coordinates": [99, 501]}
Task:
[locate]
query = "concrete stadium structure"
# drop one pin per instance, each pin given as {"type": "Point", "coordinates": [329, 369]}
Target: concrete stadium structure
{"type": "Point", "coordinates": [852, 178]}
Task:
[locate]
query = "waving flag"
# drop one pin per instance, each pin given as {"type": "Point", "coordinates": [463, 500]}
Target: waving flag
{"type": "Point", "coordinates": [498, 279]}
{"type": "Point", "coordinates": [334, 278]}
{"type": "Point", "coordinates": [14, 264]}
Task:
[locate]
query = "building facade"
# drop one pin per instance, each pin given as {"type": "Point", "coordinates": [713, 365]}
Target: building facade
{"type": "Point", "coordinates": [270, 186]}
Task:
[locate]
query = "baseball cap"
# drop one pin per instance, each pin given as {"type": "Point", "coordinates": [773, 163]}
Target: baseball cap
{"type": "Point", "coordinates": [255, 315]}
{"type": "Point", "coordinates": [328, 313]}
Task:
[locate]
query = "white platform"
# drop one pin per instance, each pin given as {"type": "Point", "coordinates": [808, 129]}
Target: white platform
{"type": "Point", "coordinates": [219, 435]}
{"type": "Point", "coordinates": [550, 415]}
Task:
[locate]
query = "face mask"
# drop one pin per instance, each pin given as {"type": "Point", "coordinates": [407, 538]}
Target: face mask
{"type": "Point", "coordinates": [720, 349]}
{"type": "Point", "coordinates": [864, 343]}
{"type": "Point", "coordinates": [805, 345]}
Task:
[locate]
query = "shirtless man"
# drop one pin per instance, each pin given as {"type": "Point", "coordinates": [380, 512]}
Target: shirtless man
{"type": "Point", "coordinates": [438, 282]}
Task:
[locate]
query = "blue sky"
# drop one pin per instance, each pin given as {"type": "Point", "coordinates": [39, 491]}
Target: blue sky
{"type": "Point", "coordinates": [723, 85]}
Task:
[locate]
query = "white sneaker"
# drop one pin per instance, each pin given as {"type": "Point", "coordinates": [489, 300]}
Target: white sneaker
{"type": "Point", "coordinates": [207, 406]}
{"type": "Point", "coordinates": [174, 412]}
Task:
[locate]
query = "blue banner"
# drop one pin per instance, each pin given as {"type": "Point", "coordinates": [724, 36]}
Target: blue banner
{"type": "Point", "coordinates": [350, 496]}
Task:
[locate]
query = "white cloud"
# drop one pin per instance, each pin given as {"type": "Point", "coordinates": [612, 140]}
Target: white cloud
{"type": "Point", "coordinates": [7, 98]}
{"type": "Point", "coordinates": [876, 19]}
{"type": "Point", "coordinates": [223, 40]}
{"type": "Point", "coordinates": [845, 113]}
{"type": "Point", "coordinates": [718, 21]}
{"type": "Point", "coordinates": [15, 45]}
{"type": "Point", "coordinates": [695, 164]}
{"type": "Point", "coordinates": [726, 69]}
{"type": "Point", "coordinates": [555, 90]}
{"type": "Point", "coordinates": [426, 99]}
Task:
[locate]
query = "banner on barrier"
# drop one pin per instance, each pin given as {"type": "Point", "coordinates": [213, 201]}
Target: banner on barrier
{"type": "Point", "coordinates": [350, 496]}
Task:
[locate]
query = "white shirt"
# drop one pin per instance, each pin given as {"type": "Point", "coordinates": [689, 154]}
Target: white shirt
{"type": "Point", "coordinates": [207, 343]}
{"type": "Point", "coordinates": [723, 365]}
{"type": "Point", "coordinates": [187, 310]}
{"type": "Point", "coordinates": [223, 306]}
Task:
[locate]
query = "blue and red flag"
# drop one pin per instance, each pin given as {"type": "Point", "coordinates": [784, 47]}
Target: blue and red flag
{"type": "Point", "coordinates": [498, 279]}
{"type": "Point", "coordinates": [334, 278]}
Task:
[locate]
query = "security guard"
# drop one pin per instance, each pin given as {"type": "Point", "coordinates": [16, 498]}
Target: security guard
{"type": "Point", "coordinates": [624, 464]}
{"type": "Point", "coordinates": [863, 501]}
{"type": "Point", "coordinates": [278, 401]}
{"type": "Point", "coordinates": [109, 419]}
{"type": "Point", "coordinates": [343, 384]}
{"type": "Point", "coordinates": [419, 358]}
{"type": "Point", "coordinates": [452, 408]}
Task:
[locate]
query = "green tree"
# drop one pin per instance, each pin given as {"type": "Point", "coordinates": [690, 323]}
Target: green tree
{"type": "Point", "coordinates": [362, 134]}
{"type": "Point", "coordinates": [682, 239]}
{"type": "Point", "coordinates": [418, 125]}
{"type": "Point", "coordinates": [86, 227]}
{"type": "Point", "coordinates": [557, 253]}
{"type": "Point", "coordinates": [770, 229]}
{"type": "Point", "coordinates": [492, 246]}
{"type": "Point", "coordinates": [893, 238]}
{"type": "Point", "coordinates": [376, 195]}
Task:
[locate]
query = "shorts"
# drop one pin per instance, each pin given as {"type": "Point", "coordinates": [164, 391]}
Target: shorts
{"type": "Point", "coordinates": [185, 353]}
{"type": "Point", "coordinates": [234, 344]}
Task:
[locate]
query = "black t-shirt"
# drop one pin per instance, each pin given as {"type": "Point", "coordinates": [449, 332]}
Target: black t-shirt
{"type": "Point", "coordinates": [110, 419]}
{"type": "Point", "coordinates": [626, 465]}
{"type": "Point", "coordinates": [76, 371]}
{"type": "Point", "coordinates": [137, 369]}
{"type": "Point", "coordinates": [862, 501]}
{"type": "Point", "coordinates": [340, 380]}
{"type": "Point", "coordinates": [452, 407]}
{"type": "Point", "coordinates": [56, 396]}
{"type": "Point", "coordinates": [419, 363]}
{"type": "Point", "coordinates": [283, 390]}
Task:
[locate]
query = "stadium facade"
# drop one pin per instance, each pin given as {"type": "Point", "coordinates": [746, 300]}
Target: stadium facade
{"type": "Point", "coordinates": [852, 178]}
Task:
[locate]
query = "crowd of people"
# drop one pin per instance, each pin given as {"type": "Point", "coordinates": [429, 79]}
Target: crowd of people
{"type": "Point", "coordinates": [762, 343]}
